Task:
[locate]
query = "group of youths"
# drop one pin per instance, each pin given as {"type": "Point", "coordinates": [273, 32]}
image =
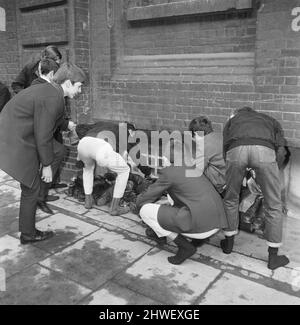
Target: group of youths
{"type": "Point", "coordinates": [202, 204]}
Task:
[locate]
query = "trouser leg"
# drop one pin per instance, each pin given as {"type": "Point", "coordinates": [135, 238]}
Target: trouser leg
{"type": "Point", "coordinates": [28, 206]}
{"type": "Point", "coordinates": [58, 137]}
{"type": "Point", "coordinates": [59, 154]}
{"type": "Point", "coordinates": [269, 180]}
{"type": "Point", "coordinates": [235, 172]}
{"type": "Point", "coordinates": [118, 165]}
{"type": "Point", "coordinates": [88, 178]}
{"type": "Point", "coordinates": [149, 214]}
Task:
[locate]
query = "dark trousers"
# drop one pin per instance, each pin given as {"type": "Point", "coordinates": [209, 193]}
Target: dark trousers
{"type": "Point", "coordinates": [263, 161]}
{"type": "Point", "coordinates": [28, 206]}
{"type": "Point", "coordinates": [59, 154]}
{"type": "Point", "coordinates": [59, 138]}
{"type": "Point", "coordinates": [38, 192]}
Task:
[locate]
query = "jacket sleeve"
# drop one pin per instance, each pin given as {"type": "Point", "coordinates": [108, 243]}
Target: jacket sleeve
{"type": "Point", "coordinates": [280, 140]}
{"type": "Point", "coordinates": [154, 191]}
{"type": "Point", "coordinates": [4, 96]}
{"type": "Point", "coordinates": [45, 116]}
{"type": "Point", "coordinates": [21, 81]}
{"type": "Point", "coordinates": [63, 124]}
{"type": "Point", "coordinates": [225, 139]}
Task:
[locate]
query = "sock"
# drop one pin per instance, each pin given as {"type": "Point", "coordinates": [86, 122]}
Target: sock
{"type": "Point", "coordinates": [227, 244]}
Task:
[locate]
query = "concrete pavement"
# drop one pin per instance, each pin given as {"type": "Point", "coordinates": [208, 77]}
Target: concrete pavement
{"type": "Point", "coordinates": [98, 259]}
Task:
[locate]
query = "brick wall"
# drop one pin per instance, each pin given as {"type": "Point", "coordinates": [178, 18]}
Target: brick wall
{"type": "Point", "coordinates": [162, 72]}
{"type": "Point", "coordinates": [9, 59]}
{"type": "Point", "coordinates": [278, 66]}
{"type": "Point", "coordinates": [145, 75]}
{"type": "Point", "coordinates": [34, 24]}
{"type": "Point", "coordinates": [167, 91]}
{"type": "Point", "coordinates": [223, 32]}
{"type": "Point", "coordinates": [81, 47]}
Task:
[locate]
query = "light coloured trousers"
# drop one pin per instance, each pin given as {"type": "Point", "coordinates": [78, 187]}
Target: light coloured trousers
{"type": "Point", "coordinates": [263, 160]}
{"type": "Point", "coordinates": [149, 213]}
{"type": "Point", "coordinates": [102, 154]}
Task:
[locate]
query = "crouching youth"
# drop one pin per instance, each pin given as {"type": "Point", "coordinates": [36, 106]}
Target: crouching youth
{"type": "Point", "coordinates": [197, 212]}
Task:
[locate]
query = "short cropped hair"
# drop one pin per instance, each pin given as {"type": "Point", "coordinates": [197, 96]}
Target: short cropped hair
{"type": "Point", "coordinates": [51, 52]}
{"type": "Point", "coordinates": [243, 109]}
{"type": "Point", "coordinates": [201, 123]}
{"type": "Point", "coordinates": [48, 65]}
{"type": "Point", "coordinates": [69, 71]}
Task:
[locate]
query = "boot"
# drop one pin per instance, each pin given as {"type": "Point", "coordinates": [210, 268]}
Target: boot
{"type": "Point", "coordinates": [116, 209]}
{"type": "Point", "coordinates": [185, 250]}
{"type": "Point", "coordinates": [88, 201]}
{"type": "Point", "coordinates": [227, 244]}
{"type": "Point", "coordinates": [275, 261]}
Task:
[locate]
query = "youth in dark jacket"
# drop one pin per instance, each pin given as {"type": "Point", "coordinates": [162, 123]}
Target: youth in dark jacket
{"type": "Point", "coordinates": [209, 153]}
{"type": "Point", "coordinates": [197, 212]}
{"type": "Point", "coordinates": [48, 68]}
{"type": "Point", "coordinates": [29, 153]}
{"type": "Point", "coordinates": [4, 95]}
{"type": "Point", "coordinates": [251, 140]}
{"type": "Point", "coordinates": [30, 72]}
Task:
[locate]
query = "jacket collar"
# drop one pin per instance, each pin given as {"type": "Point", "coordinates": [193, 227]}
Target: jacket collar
{"type": "Point", "coordinates": [58, 87]}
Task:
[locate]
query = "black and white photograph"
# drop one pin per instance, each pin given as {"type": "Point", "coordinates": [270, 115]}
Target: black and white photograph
{"type": "Point", "coordinates": [149, 155]}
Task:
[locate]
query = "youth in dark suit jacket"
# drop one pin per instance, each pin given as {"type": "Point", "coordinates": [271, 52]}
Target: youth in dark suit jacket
{"type": "Point", "coordinates": [27, 146]}
{"type": "Point", "coordinates": [197, 211]}
{"type": "Point", "coordinates": [30, 72]}
{"type": "Point", "coordinates": [48, 68]}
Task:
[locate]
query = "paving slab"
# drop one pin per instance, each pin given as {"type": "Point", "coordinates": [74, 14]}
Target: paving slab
{"type": "Point", "coordinates": [9, 219]}
{"type": "Point", "coordinates": [40, 286]}
{"type": "Point", "coordinates": [69, 206]}
{"type": "Point", "coordinates": [67, 230]}
{"type": "Point", "coordinates": [289, 276]}
{"type": "Point", "coordinates": [8, 195]}
{"type": "Point", "coordinates": [4, 177]}
{"type": "Point", "coordinates": [114, 294]}
{"type": "Point", "coordinates": [253, 245]}
{"type": "Point", "coordinates": [235, 259]}
{"type": "Point", "coordinates": [97, 258]}
{"type": "Point", "coordinates": [132, 217]}
{"type": "Point", "coordinates": [14, 257]}
{"type": "Point", "coordinates": [291, 241]}
{"type": "Point", "coordinates": [153, 276]}
{"type": "Point", "coordinates": [118, 221]}
{"type": "Point", "coordinates": [233, 290]}
{"type": "Point", "coordinates": [245, 243]}
{"type": "Point", "coordinates": [14, 184]}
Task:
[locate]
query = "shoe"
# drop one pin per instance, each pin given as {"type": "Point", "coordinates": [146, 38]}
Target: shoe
{"type": "Point", "coordinates": [38, 236]}
{"type": "Point", "coordinates": [152, 235]}
{"type": "Point", "coordinates": [58, 185]}
{"type": "Point", "coordinates": [51, 198]}
{"type": "Point", "coordinates": [116, 209]}
{"type": "Point", "coordinates": [275, 261]}
{"type": "Point", "coordinates": [185, 250]}
{"type": "Point", "coordinates": [44, 207]}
